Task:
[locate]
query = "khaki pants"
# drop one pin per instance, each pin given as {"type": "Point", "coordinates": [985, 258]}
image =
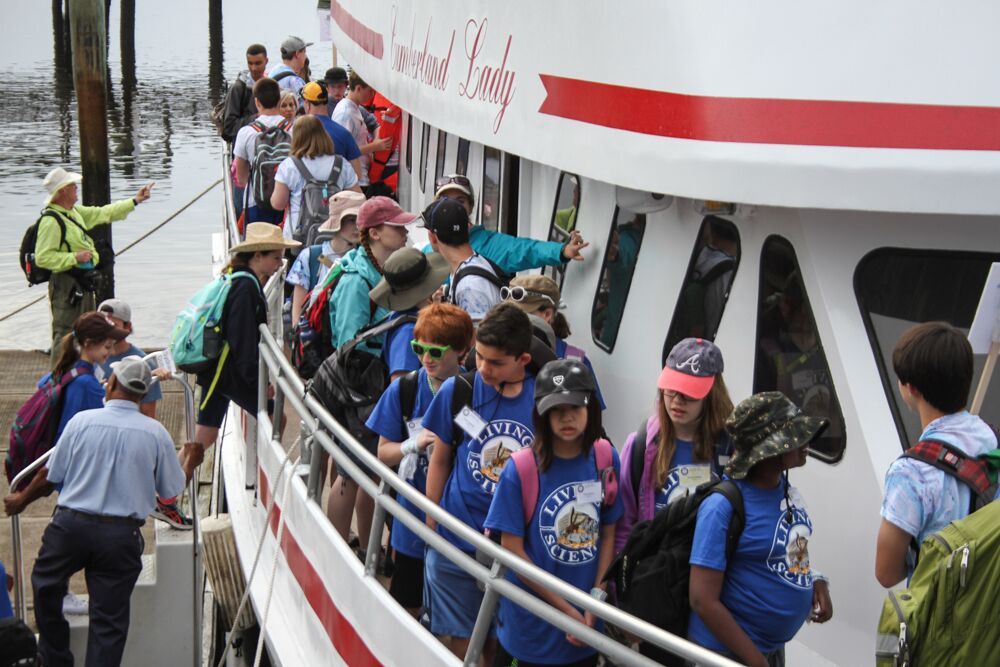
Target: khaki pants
{"type": "Point", "coordinates": [61, 286]}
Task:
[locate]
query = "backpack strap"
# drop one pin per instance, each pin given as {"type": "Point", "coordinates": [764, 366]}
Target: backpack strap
{"type": "Point", "coordinates": [60, 220]}
{"type": "Point", "coordinates": [606, 470]}
{"type": "Point", "coordinates": [732, 493]}
{"type": "Point", "coordinates": [461, 396]}
{"type": "Point", "coordinates": [527, 472]}
{"type": "Point", "coordinates": [408, 395]}
{"type": "Point", "coordinates": [637, 459]}
{"type": "Point", "coordinates": [474, 270]}
{"type": "Point", "coordinates": [301, 166]}
{"type": "Point", "coordinates": [335, 170]}
{"type": "Point", "coordinates": [283, 75]}
{"type": "Point", "coordinates": [315, 252]}
{"type": "Point", "coordinates": [954, 462]}
{"type": "Point", "coordinates": [574, 352]}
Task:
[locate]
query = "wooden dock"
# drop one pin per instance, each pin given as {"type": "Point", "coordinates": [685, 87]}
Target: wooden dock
{"type": "Point", "coordinates": [21, 372]}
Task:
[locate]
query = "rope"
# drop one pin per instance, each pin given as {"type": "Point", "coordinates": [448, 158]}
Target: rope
{"type": "Point", "coordinates": [126, 248]}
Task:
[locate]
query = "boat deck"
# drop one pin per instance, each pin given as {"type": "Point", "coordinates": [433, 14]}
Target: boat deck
{"type": "Point", "coordinates": [21, 370]}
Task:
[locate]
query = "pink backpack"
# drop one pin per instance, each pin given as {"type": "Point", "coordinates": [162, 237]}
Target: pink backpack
{"type": "Point", "coordinates": [35, 425]}
{"type": "Point", "coordinates": [527, 471]}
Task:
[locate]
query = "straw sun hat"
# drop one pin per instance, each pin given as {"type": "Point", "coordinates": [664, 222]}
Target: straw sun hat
{"type": "Point", "coordinates": [263, 236]}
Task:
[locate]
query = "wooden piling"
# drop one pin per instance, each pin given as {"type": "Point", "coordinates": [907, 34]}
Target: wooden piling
{"type": "Point", "coordinates": [88, 39]}
{"type": "Point", "coordinates": [216, 78]}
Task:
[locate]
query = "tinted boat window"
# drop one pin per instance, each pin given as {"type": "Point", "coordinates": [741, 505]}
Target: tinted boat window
{"type": "Point", "coordinates": [425, 145]}
{"type": "Point", "coordinates": [462, 158]}
{"type": "Point", "coordinates": [790, 356]}
{"type": "Point", "coordinates": [510, 182]}
{"type": "Point", "coordinates": [899, 288]}
{"type": "Point", "coordinates": [620, 256]}
{"type": "Point", "coordinates": [564, 212]}
{"type": "Point", "coordinates": [706, 286]}
{"type": "Point", "coordinates": [409, 143]}
{"type": "Point", "coordinates": [489, 207]}
{"type": "Point", "coordinates": [441, 147]}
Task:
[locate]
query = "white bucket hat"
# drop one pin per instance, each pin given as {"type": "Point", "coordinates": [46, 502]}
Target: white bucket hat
{"type": "Point", "coordinates": [263, 236]}
{"type": "Point", "coordinates": [57, 179]}
{"type": "Point", "coordinates": [344, 203]}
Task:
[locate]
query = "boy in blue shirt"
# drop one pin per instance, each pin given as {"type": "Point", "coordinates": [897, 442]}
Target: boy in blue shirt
{"type": "Point", "coordinates": [442, 335]}
{"type": "Point", "coordinates": [748, 606]}
{"type": "Point", "coordinates": [499, 398]}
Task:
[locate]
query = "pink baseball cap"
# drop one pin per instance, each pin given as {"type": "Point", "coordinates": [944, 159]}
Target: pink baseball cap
{"type": "Point", "coordinates": [383, 211]}
{"type": "Point", "coordinates": [691, 368]}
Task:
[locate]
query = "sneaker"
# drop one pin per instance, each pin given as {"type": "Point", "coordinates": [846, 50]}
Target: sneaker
{"type": "Point", "coordinates": [74, 605]}
{"type": "Point", "coordinates": [170, 514]}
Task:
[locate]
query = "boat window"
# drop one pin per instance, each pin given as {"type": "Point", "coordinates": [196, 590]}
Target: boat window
{"type": "Point", "coordinates": [462, 159]}
{"type": "Point", "coordinates": [620, 256]}
{"type": "Point", "coordinates": [409, 143]}
{"type": "Point", "coordinates": [510, 182]}
{"type": "Point", "coordinates": [564, 212]}
{"type": "Point", "coordinates": [489, 206]}
{"type": "Point", "coordinates": [706, 285]}
{"type": "Point", "coordinates": [790, 356]}
{"type": "Point", "coordinates": [425, 146]}
{"type": "Point", "coordinates": [898, 288]}
{"type": "Point", "coordinates": [441, 147]}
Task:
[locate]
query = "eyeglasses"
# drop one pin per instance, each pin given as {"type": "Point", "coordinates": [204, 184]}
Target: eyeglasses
{"type": "Point", "coordinates": [679, 397]}
{"type": "Point", "coordinates": [518, 293]}
{"type": "Point", "coordinates": [454, 179]}
{"type": "Point", "coordinates": [436, 351]}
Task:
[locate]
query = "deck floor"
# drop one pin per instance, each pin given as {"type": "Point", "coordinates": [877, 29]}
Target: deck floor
{"type": "Point", "coordinates": [21, 371]}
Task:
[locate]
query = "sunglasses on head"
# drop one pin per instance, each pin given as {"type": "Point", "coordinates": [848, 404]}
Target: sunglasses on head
{"type": "Point", "coordinates": [454, 179]}
{"type": "Point", "coordinates": [436, 351]}
{"type": "Point", "coordinates": [521, 293]}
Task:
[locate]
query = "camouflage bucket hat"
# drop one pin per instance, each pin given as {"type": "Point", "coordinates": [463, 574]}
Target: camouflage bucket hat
{"type": "Point", "coordinates": [768, 425]}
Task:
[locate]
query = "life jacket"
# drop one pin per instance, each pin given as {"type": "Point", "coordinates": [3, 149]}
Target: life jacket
{"type": "Point", "coordinates": [389, 118]}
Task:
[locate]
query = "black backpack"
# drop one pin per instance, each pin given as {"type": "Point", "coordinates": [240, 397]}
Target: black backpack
{"type": "Point", "coordinates": [18, 647]}
{"type": "Point", "coordinates": [497, 276]}
{"type": "Point", "coordinates": [35, 274]}
{"type": "Point", "coordinates": [351, 381]}
{"type": "Point", "coordinates": [651, 574]}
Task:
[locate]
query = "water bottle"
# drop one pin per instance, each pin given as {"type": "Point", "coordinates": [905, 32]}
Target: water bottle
{"type": "Point", "coordinates": [306, 333]}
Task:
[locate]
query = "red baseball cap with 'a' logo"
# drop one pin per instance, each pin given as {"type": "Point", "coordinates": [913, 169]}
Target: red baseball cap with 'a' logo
{"type": "Point", "coordinates": [692, 367]}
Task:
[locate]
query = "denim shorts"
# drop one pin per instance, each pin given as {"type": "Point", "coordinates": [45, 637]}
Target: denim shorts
{"type": "Point", "coordinates": [451, 597]}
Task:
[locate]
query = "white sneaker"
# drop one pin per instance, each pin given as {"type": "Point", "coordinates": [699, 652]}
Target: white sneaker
{"type": "Point", "coordinates": [74, 605]}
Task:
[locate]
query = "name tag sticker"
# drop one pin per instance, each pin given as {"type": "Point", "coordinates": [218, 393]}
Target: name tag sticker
{"type": "Point", "coordinates": [589, 492]}
{"type": "Point", "coordinates": [470, 422]}
{"type": "Point", "coordinates": [694, 475]}
{"type": "Point", "coordinates": [414, 428]}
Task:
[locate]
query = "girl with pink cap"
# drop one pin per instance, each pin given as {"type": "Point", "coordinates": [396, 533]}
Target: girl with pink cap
{"type": "Point", "coordinates": [684, 443]}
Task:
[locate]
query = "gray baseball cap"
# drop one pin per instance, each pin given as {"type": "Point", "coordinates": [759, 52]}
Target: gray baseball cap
{"type": "Point", "coordinates": [116, 308]}
{"type": "Point", "coordinates": [293, 44]}
{"type": "Point", "coordinates": [133, 374]}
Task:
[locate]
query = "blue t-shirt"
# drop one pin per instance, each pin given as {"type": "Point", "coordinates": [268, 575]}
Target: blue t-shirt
{"type": "Point", "coordinates": [396, 350]}
{"type": "Point", "coordinates": [84, 392]}
{"type": "Point", "coordinates": [563, 539]}
{"type": "Point", "coordinates": [387, 421]}
{"type": "Point", "coordinates": [685, 474]}
{"type": "Point", "coordinates": [478, 463]}
{"type": "Point", "coordinates": [343, 142]}
{"type": "Point", "coordinates": [768, 585]}
{"type": "Point", "coordinates": [6, 611]}
{"type": "Point", "coordinates": [155, 393]}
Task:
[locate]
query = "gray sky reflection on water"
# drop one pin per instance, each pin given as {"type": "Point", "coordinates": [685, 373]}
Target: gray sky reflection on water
{"type": "Point", "coordinates": [158, 129]}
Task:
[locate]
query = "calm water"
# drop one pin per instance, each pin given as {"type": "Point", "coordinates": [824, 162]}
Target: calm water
{"type": "Point", "coordinates": [159, 129]}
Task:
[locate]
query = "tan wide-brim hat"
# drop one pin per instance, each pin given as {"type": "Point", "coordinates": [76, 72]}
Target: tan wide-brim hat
{"type": "Point", "coordinates": [345, 202]}
{"type": "Point", "coordinates": [408, 277]}
{"type": "Point", "coordinates": [56, 180]}
{"type": "Point", "coordinates": [261, 237]}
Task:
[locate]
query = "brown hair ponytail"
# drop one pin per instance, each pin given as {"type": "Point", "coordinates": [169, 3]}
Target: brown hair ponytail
{"type": "Point", "coordinates": [68, 356]}
{"type": "Point", "coordinates": [366, 243]}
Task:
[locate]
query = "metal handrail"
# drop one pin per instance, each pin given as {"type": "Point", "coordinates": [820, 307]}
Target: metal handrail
{"type": "Point", "coordinates": [335, 439]}
{"type": "Point", "coordinates": [228, 210]}
{"type": "Point", "coordinates": [20, 605]}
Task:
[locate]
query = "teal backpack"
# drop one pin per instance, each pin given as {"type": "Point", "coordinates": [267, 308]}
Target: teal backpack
{"type": "Point", "coordinates": [196, 342]}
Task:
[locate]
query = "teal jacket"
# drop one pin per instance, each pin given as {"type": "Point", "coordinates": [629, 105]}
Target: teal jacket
{"type": "Point", "coordinates": [513, 253]}
{"type": "Point", "coordinates": [350, 306]}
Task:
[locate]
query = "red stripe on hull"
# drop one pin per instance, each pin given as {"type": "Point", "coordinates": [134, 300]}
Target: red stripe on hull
{"type": "Point", "coordinates": [342, 634]}
{"type": "Point", "coordinates": [365, 37]}
{"type": "Point", "coordinates": [773, 121]}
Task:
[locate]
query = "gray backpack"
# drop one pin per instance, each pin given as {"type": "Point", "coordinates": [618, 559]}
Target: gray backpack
{"type": "Point", "coordinates": [271, 145]}
{"type": "Point", "coordinates": [315, 206]}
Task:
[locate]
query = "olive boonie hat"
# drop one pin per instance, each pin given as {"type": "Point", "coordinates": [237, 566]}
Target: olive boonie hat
{"type": "Point", "coordinates": [768, 425]}
{"type": "Point", "coordinates": [563, 382]}
{"type": "Point", "coordinates": [408, 277]}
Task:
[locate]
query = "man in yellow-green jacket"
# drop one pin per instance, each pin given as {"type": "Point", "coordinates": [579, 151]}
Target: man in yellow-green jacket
{"type": "Point", "coordinates": [66, 249]}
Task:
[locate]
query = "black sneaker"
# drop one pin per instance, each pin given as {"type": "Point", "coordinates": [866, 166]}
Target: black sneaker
{"type": "Point", "coordinates": [170, 514]}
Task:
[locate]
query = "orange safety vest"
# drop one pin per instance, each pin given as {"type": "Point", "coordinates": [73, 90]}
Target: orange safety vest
{"type": "Point", "coordinates": [389, 125]}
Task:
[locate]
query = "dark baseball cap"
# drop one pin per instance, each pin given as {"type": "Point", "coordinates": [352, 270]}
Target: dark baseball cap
{"type": "Point", "coordinates": [449, 220]}
{"type": "Point", "coordinates": [335, 75]}
{"type": "Point", "coordinates": [691, 368]}
{"type": "Point", "coordinates": [563, 382]}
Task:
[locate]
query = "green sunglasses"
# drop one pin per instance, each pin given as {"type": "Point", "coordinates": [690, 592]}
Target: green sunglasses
{"type": "Point", "coordinates": [436, 351]}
